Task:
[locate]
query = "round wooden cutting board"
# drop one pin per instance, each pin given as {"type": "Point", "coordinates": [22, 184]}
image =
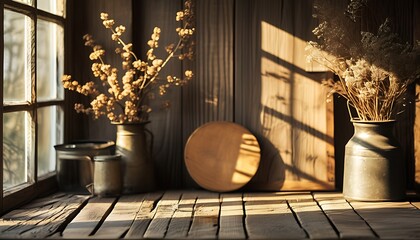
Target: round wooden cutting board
{"type": "Point", "coordinates": [222, 156]}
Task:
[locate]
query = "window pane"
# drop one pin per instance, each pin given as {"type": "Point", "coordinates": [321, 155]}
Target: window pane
{"type": "Point", "coordinates": [29, 2]}
{"type": "Point", "coordinates": [16, 148]}
{"type": "Point", "coordinates": [50, 133]}
{"type": "Point", "coordinates": [17, 60]}
{"type": "Point", "coordinates": [50, 57]}
{"type": "Point", "coordinates": [53, 6]}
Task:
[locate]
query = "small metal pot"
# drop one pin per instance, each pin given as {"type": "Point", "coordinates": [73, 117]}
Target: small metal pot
{"type": "Point", "coordinates": [75, 163]}
{"type": "Point", "coordinates": [107, 179]}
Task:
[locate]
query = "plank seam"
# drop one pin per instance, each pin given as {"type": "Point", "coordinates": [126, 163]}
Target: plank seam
{"type": "Point", "coordinates": [297, 219]}
{"type": "Point", "coordinates": [106, 214]}
{"type": "Point", "coordinates": [374, 232]}
{"type": "Point", "coordinates": [220, 216]}
{"type": "Point", "coordinates": [58, 215]}
{"type": "Point", "coordinates": [244, 217]}
{"type": "Point", "coordinates": [415, 206]}
{"type": "Point", "coordinates": [192, 215]}
{"type": "Point", "coordinates": [173, 213]}
{"type": "Point", "coordinates": [326, 215]}
{"type": "Point", "coordinates": [153, 210]}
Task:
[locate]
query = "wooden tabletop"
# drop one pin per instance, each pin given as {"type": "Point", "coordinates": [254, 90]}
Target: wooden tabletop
{"type": "Point", "coordinates": [209, 215]}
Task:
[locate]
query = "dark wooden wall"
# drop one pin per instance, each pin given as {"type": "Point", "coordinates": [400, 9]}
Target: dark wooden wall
{"type": "Point", "coordinates": [416, 169]}
{"type": "Point", "coordinates": [250, 69]}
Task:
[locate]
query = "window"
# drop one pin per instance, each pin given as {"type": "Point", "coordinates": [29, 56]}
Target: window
{"type": "Point", "coordinates": [32, 95]}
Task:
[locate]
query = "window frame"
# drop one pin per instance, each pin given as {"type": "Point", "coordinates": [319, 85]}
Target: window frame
{"type": "Point", "coordinates": [46, 184]}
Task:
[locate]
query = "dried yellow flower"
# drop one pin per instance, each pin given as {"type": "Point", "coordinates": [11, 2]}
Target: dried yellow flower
{"type": "Point", "coordinates": [124, 96]}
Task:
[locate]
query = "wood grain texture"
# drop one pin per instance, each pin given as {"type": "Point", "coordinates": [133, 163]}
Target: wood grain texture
{"type": "Point", "coordinates": [209, 97]}
{"type": "Point", "coordinates": [341, 214]}
{"type": "Point", "coordinates": [222, 156]}
{"type": "Point", "coordinates": [164, 212]}
{"type": "Point", "coordinates": [402, 15]}
{"type": "Point", "coordinates": [417, 143]}
{"type": "Point", "coordinates": [165, 122]}
{"type": "Point", "coordinates": [88, 219]}
{"type": "Point", "coordinates": [279, 101]}
{"type": "Point", "coordinates": [231, 216]}
{"type": "Point", "coordinates": [311, 218]}
{"type": "Point", "coordinates": [416, 169]}
{"type": "Point", "coordinates": [206, 216]}
{"type": "Point", "coordinates": [86, 17]}
{"type": "Point", "coordinates": [393, 220]}
{"type": "Point", "coordinates": [249, 69]}
{"type": "Point", "coordinates": [144, 216]}
{"type": "Point", "coordinates": [182, 217]}
{"type": "Point", "coordinates": [41, 219]}
{"type": "Point", "coordinates": [269, 217]}
{"type": "Point", "coordinates": [121, 218]}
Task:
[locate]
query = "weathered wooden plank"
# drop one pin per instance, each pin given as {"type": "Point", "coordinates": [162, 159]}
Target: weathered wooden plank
{"type": "Point", "coordinates": [391, 220]}
{"type": "Point", "coordinates": [231, 217]}
{"type": "Point", "coordinates": [164, 212]}
{"type": "Point", "coordinates": [182, 218]}
{"type": "Point", "coordinates": [206, 216]}
{"type": "Point", "coordinates": [40, 222]}
{"type": "Point", "coordinates": [85, 223]}
{"type": "Point", "coordinates": [269, 217]}
{"type": "Point", "coordinates": [416, 204]}
{"type": "Point", "coordinates": [312, 218]}
{"type": "Point", "coordinates": [41, 202]}
{"type": "Point", "coordinates": [144, 216]}
{"type": "Point", "coordinates": [341, 214]}
{"type": "Point", "coordinates": [122, 216]}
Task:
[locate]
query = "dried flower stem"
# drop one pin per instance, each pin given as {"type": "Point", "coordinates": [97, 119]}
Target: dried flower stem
{"type": "Point", "coordinates": [129, 94]}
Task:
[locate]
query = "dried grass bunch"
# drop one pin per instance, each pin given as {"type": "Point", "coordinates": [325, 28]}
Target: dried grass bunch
{"type": "Point", "coordinates": [374, 70]}
{"type": "Point", "coordinates": [125, 98]}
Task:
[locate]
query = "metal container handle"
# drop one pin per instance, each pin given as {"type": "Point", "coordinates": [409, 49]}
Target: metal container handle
{"type": "Point", "coordinates": [151, 139]}
{"type": "Point", "coordinates": [91, 188]}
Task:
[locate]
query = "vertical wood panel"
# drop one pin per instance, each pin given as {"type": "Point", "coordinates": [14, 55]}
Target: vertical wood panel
{"type": "Point", "coordinates": [209, 97]}
{"type": "Point", "coordinates": [401, 14]}
{"type": "Point", "coordinates": [165, 122]}
{"type": "Point", "coordinates": [87, 20]}
{"type": "Point", "coordinates": [249, 68]}
{"type": "Point", "coordinates": [416, 170]}
{"type": "Point", "coordinates": [417, 143]}
{"type": "Point", "coordinates": [279, 101]}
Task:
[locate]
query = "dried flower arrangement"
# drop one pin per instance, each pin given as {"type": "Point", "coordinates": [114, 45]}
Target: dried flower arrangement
{"type": "Point", "coordinates": [374, 71]}
{"type": "Point", "coordinates": [125, 100]}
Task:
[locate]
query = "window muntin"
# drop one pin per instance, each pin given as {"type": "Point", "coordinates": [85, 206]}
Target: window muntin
{"type": "Point", "coordinates": [33, 98]}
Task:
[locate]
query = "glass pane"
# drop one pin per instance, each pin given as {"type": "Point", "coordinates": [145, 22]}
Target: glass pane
{"type": "Point", "coordinates": [50, 60]}
{"type": "Point", "coordinates": [29, 2]}
{"type": "Point", "coordinates": [53, 6]}
{"type": "Point", "coordinates": [50, 133]}
{"type": "Point", "coordinates": [17, 57]}
{"type": "Point", "coordinates": [16, 149]}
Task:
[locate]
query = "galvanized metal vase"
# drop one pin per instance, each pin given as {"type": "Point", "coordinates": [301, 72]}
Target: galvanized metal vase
{"type": "Point", "coordinates": [373, 164]}
{"type": "Point", "coordinates": [136, 161]}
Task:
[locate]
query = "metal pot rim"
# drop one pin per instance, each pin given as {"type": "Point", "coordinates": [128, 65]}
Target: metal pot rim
{"type": "Point", "coordinates": [106, 158]}
{"type": "Point", "coordinates": [84, 145]}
